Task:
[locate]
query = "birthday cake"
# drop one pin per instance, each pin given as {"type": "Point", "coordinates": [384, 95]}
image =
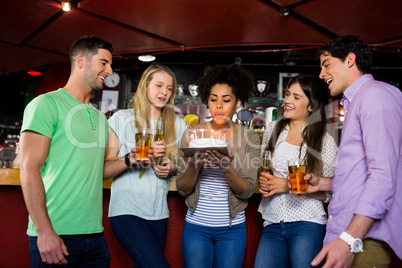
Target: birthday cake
{"type": "Point", "coordinates": [202, 143]}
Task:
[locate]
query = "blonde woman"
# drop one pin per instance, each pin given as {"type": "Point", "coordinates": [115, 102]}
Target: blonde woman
{"type": "Point", "coordinates": [138, 209]}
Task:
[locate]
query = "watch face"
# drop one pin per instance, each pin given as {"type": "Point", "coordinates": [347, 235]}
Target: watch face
{"type": "Point", "coordinates": [357, 246]}
{"type": "Point", "coordinates": [112, 80]}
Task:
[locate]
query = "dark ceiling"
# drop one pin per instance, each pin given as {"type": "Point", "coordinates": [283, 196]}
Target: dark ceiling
{"type": "Point", "coordinates": [36, 34]}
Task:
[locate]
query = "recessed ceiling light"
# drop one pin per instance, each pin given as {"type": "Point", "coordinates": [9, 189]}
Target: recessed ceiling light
{"type": "Point", "coordinates": [146, 58]}
{"type": "Point", "coordinates": [66, 6]}
{"type": "Point", "coordinates": [284, 11]}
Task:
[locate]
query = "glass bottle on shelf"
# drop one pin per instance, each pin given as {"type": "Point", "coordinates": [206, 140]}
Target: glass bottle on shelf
{"type": "Point", "coordinates": [16, 162]}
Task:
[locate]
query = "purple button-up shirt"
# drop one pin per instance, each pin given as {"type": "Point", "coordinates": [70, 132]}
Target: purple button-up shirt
{"type": "Point", "coordinates": [368, 173]}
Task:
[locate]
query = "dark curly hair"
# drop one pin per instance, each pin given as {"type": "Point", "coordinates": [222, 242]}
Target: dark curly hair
{"type": "Point", "coordinates": [238, 79]}
{"type": "Point", "coordinates": [342, 46]}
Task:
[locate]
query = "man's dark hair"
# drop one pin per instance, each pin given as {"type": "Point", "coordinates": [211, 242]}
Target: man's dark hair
{"type": "Point", "coordinates": [88, 46]}
{"type": "Point", "coordinates": [342, 46]}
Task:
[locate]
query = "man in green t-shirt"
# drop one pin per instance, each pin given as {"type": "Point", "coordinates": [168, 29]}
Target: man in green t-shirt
{"type": "Point", "coordinates": [62, 148]}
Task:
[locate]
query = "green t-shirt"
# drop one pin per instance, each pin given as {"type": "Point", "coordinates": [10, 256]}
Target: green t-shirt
{"type": "Point", "coordinates": [73, 171]}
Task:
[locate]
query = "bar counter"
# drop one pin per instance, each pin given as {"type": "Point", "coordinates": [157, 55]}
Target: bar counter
{"type": "Point", "coordinates": [9, 176]}
{"type": "Point", "coordinates": [14, 251]}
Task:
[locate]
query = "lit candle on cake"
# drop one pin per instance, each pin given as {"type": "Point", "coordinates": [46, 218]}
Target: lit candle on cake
{"type": "Point", "coordinates": [204, 141]}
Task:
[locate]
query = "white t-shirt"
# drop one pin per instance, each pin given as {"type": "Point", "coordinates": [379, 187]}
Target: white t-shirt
{"type": "Point", "coordinates": [144, 197]}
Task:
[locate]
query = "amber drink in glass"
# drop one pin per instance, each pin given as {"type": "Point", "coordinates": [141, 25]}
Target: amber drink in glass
{"type": "Point", "coordinates": [297, 170]}
{"type": "Point", "coordinates": [143, 139]}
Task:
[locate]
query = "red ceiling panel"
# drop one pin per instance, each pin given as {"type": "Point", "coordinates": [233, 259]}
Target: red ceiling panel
{"type": "Point", "coordinates": [41, 34]}
{"type": "Point", "coordinates": [209, 23]}
{"type": "Point", "coordinates": [19, 18]}
{"type": "Point", "coordinates": [373, 21]}
{"type": "Point", "coordinates": [285, 3]}
{"type": "Point", "coordinates": [20, 58]}
{"type": "Point", "coordinates": [61, 34]}
{"type": "Point", "coordinates": [393, 43]}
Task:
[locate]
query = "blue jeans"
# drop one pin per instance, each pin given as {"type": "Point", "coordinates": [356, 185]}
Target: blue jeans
{"type": "Point", "coordinates": [84, 251]}
{"type": "Point", "coordinates": [144, 240]}
{"type": "Point", "coordinates": [219, 247]}
{"type": "Point", "coordinates": [291, 244]}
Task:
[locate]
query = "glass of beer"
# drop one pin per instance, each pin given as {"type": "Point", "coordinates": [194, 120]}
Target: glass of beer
{"type": "Point", "coordinates": [297, 170]}
{"type": "Point", "coordinates": [143, 139]}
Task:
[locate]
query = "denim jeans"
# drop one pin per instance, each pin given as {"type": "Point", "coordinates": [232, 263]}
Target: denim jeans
{"type": "Point", "coordinates": [84, 251]}
{"type": "Point", "coordinates": [292, 244]}
{"type": "Point", "coordinates": [144, 240]}
{"type": "Point", "coordinates": [219, 247]}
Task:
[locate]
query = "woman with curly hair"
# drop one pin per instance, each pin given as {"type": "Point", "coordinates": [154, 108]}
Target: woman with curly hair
{"type": "Point", "coordinates": [138, 210]}
{"type": "Point", "coordinates": [217, 186]}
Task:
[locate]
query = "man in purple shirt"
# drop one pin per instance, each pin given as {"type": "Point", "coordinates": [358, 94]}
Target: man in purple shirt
{"type": "Point", "coordinates": [367, 185]}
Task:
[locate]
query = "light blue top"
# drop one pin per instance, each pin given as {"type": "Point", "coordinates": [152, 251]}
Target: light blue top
{"type": "Point", "coordinates": [144, 197]}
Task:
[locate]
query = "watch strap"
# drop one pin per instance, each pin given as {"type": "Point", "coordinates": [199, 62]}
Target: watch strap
{"type": "Point", "coordinates": [127, 160]}
{"type": "Point", "coordinates": [346, 237]}
{"type": "Point", "coordinates": [350, 241]}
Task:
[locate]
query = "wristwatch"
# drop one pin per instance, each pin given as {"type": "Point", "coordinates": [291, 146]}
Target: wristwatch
{"type": "Point", "coordinates": [356, 244]}
{"type": "Point", "coordinates": [127, 160]}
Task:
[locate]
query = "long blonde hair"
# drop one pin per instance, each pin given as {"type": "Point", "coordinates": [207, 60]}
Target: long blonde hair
{"type": "Point", "coordinates": [142, 108]}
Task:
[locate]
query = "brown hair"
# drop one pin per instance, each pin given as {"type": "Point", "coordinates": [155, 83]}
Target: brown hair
{"type": "Point", "coordinates": [315, 129]}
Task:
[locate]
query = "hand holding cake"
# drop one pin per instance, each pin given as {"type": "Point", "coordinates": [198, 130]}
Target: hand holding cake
{"type": "Point", "coordinates": [218, 159]}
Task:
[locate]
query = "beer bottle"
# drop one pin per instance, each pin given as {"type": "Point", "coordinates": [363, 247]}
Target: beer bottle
{"type": "Point", "coordinates": [266, 164]}
{"type": "Point", "coordinates": [159, 130]}
{"type": "Point", "coordinates": [158, 137]}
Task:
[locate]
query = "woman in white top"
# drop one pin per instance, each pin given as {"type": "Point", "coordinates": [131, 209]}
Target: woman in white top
{"type": "Point", "coordinates": [138, 209]}
{"type": "Point", "coordinates": [294, 224]}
